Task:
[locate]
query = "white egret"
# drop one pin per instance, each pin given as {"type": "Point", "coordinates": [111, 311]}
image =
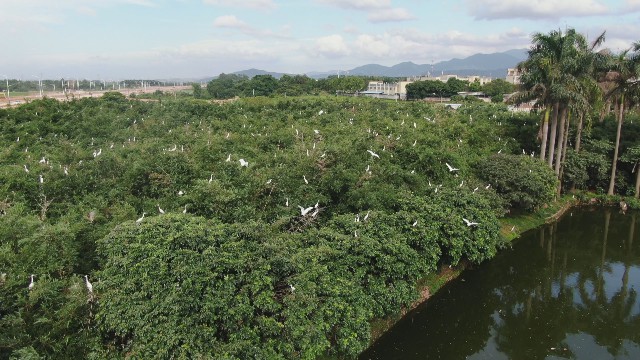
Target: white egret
{"type": "Point", "coordinates": [513, 228]}
{"type": "Point", "coordinates": [316, 131]}
{"type": "Point", "coordinates": [210, 178]}
{"type": "Point", "coordinates": [357, 219]}
{"type": "Point", "coordinates": [367, 215]}
{"type": "Point", "coordinates": [304, 211]}
{"type": "Point", "coordinates": [286, 203]}
{"type": "Point", "coordinates": [141, 218]}
{"type": "Point", "coordinates": [180, 193]}
{"type": "Point", "coordinates": [66, 170]}
{"type": "Point", "coordinates": [320, 112]}
{"type": "Point", "coordinates": [414, 142]}
{"type": "Point", "coordinates": [43, 160]}
{"type": "Point", "coordinates": [228, 158]}
{"type": "Point", "coordinates": [26, 169]}
{"type": "Point", "coordinates": [41, 179]}
{"type": "Point", "coordinates": [32, 283]}
{"type": "Point", "coordinates": [487, 187]}
{"type": "Point", "coordinates": [185, 209]}
{"type": "Point", "coordinates": [469, 223]}
{"type": "Point", "coordinates": [451, 168]}
{"type": "Point", "coordinates": [160, 209]}
{"type": "Point", "coordinates": [415, 223]}
{"type": "Point", "coordinates": [373, 154]}
{"type": "Point", "coordinates": [89, 286]}
{"type": "Point", "coordinates": [292, 288]}
{"type": "Point", "coordinates": [305, 179]}
{"type": "Point", "coordinates": [244, 163]}
{"type": "Point", "coordinates": [269, 181]}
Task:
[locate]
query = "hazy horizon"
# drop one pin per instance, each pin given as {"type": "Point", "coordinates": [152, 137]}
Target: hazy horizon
{"type": "Point", "coordinates": [180, 39]}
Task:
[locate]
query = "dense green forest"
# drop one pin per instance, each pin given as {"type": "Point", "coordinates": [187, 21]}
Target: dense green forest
{"type": "Point", "coordinates": [266, 227]}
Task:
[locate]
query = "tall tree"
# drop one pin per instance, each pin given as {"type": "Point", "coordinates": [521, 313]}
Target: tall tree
{"type": "Point", "coordinates": [624, 76]}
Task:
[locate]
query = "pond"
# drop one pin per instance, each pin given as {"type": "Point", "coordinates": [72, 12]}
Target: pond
{"type": "Point", "coordinates": [565, 290]}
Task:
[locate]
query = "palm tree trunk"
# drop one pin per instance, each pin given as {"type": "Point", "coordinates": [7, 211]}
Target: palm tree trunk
{"type": "Point", "coordinates": [564, 153]}
{"type": "Point", "coordinates": [579, 132]}
{"type": "Point", "coordinates": [559, 147]}
{"type": "Point", "coordinates": [637, 195]}
{"type": "Point", "coordinates": [545, 132]}
{"type": "Point", "coordinates": [614, 164]}
{"type": "Point", "coordinates": [552, 135]}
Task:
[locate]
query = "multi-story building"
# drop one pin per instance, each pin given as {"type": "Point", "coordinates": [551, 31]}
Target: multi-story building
{"type": "Point", "coordinates": [513, 76]}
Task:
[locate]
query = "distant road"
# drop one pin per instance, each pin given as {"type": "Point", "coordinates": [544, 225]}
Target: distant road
{"type": "Point", "coordinates": [70, 95]}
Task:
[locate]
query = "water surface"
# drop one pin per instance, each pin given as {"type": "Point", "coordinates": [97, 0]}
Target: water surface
{"type": "Point", "coordinates": [567, 290]}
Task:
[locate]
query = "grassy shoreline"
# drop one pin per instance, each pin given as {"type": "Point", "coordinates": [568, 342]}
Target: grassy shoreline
{"type": "Point", "coordinates": [521, 223]}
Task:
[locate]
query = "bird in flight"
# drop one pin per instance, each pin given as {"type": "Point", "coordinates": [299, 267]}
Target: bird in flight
{"type": "Point", "coordinates": [470, 223]}
{"type": "Point", "coordinates": [373, 154]}
{"type": "Point", "coordinates": [451, 168]}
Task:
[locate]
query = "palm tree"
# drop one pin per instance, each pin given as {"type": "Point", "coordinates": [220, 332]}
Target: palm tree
{"type": "Point", "coordinates": [624, 77]}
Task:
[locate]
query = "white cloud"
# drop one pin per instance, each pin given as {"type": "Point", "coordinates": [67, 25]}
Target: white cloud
{"type": "Point", "coordinates": [331, 46]}
{"type": "Point", "coordinates": [252, 4]}
{"type": "Point", "coordinates": [534, 9]}
{"type": "Point", "coordinates": [366, 5]}
{"type": "Point", "coordinates": [386, 15]}
{"type": "Point", "coordinates": [632, 5]}
{"type": "Point", "coordinates": [229, 21]}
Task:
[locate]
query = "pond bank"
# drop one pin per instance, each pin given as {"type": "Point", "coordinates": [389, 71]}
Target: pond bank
{"type": "Point", "coordinates": [511, 229]}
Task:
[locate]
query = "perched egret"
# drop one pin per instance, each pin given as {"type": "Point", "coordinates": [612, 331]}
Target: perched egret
{"type": "Point", "coordinates": [26, 169]}
{"type": "Point", "coordinates": [41, 179]}
{"type": "Point", "coordinates": [210, 178]}
{"type": "Point", "coordinates": [373, 154]}
{"type": "Point", "coordinates": [141, 218]}
{"type": "Point", "coordinates": [513, 228]}
{"type": "Point", "coordinates": [89, 286]}
{"type": "Point", "coordinates": [269, 181]}
{"type": "Point", "coordinates": [228, 158]}
{"type": "Point", "coordinates": [469, 223]}
{"type": "Point", "coordinates": [185, 209]}
{"type": "Point", "coordinates": [305, 179]}
{"type": "Point", "coordinates": [160, 209]}
{"type": "Point", "coordinates": [286, 203]}
{"type": "Point", "coordinates": [320, 112]}
{"type": "Point", "coordinates": [367, 215]}
{"type": "Point", "coordinates": [415, 223]}
{"type": "Point", "coordinates": [32, 283]}
{"type": "Point", "coordinates": [487, 187]}
{"type": "Point", "coordinates": [244, 163]}
{"type": "Point", "coordinates": [292, 288]}
{"type": "Point", "coordinates": [451, 168]}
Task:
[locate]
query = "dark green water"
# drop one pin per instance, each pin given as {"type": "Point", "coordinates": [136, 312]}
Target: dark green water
{"type": "Point", "coordinates": [564, 291]}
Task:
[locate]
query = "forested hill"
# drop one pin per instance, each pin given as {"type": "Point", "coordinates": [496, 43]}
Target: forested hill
{"type": "Point", "coordinates": [262, 228]}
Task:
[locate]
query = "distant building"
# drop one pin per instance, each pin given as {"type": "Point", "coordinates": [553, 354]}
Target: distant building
{"type": "Point", "coordinates": [513, 76]}
{"type": "Point", "coordinates": [400, 88]}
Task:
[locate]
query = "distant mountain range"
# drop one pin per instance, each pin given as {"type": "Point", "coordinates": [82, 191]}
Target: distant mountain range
{"type": "Point", "coordinates": [494, 65]}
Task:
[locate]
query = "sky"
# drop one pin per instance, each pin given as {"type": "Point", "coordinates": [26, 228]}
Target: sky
{"type": "Point", "coordinates": [163, 39]}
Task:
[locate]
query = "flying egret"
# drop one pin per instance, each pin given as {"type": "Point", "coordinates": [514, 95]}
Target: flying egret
{"type": "Point", "coordinates": [373, 154]}
{"type": "Point", "coordinates": [160, 209]}
{"type": "Point", "coordinates": [304, 211]}
{"type": "Point", "coordinates": [470, 223]}
{"type": "Point", "coordinates": [244, 163]}
{"type": "Point", "coordinates": [32, 283]}
{"type": "Point", "coordinates": [89, 286]}
{"type": "Point", "coordinates": [451, 168]}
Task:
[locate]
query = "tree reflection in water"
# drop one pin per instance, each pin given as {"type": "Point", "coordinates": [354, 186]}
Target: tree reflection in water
{"type": "Point", "coordinates": [567, 290]}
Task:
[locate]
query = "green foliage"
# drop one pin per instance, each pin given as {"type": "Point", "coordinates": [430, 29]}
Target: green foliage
{"type": "Point", "coordinates": [219, 276]}
{"type": "Point", "coordinates": [522, 181]}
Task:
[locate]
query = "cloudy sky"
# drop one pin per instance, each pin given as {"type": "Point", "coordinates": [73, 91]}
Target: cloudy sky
{"type": "Point", "coordinates": [117, 39]}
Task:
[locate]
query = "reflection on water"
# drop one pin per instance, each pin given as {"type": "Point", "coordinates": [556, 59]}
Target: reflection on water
{"type": "Point", "coordinates": [567, 290]}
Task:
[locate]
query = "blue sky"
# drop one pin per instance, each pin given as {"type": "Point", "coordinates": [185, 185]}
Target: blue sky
{"type": "Point", "coordinates": [117, 39]}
